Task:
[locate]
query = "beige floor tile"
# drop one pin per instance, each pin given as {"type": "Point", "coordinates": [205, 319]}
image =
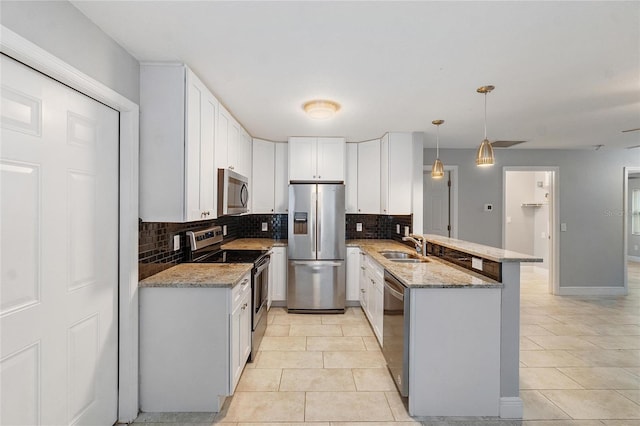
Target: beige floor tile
{"type": "Point", "coordinates": [545, 378]}
{"type": "Point", "coordinates": [537, 319]}
{"type": "Point", "coordinates": [621, 422]}
{"type": "Point", "coordinates": [371, 343]}
{"type": "Point", "coordinates": [398, 407]}
{"type": "Point", "coordinates": [527, 344]}
{"type": "Point", "coordinates": [287, 424]}
{"type": "Point", "coordinates": [347, 406]}
{"type": "Point", "coordinates": [297, 319]}
{"type": "Point", "coordinates": [550, 359]}
{"type": "Point", "coordinates": [260, 380]}
{"type": "Point", "coordinates": [277, 330]}
{"type": "Point", "coordinates": [412, 423]}
{"type": "Point", "coordinates": [607, 358]}
{"type": "Point", "coordinates": [357, 330]}
{"type": "Point", "coordinates": [603, 377]}
{"type": "Point", "coordinates": [277, 310]}
{"type": "Point", "coordinates": [315, 330]}
{"type": "Point", "coordinates": [537, 407]}
{"type": "Point", "coordinates": [632, 394]}
{"type": "Point", "coordinates": [570, 329]}
{"type": "Point", "coordinates": [307, 379]}
{"type": "Point", "coordinates": [287, 343]}
{"type": "Point", "coordinates": [344, 319]}
{"type": "Point", "coordinates": [177, 417]}
{"type": "Point", "coordinates": [615, 342]}
{"type": "Point", "coordinates": [563, 342]}
{"type": "Point", "coordinates": [289, 359]}
{"type": "Point", "coordinates": [633, 370]}
{"type": "Point", "coordinates": [562, 423]}
{"type": "Point", "coordinates": [373, 379]}
{"type": "Point", "coordinates": [618, 330]}
{"type": "Point", "coordinates": [340, 343]}
{"type": "Point", "coordinates": [265, 407]}
{"type": "Point", "coordinates": [594, 404]}
{"type": "Point", "coordinates": [534, 330]}
{"type": "Point", "coordinates": [366, 359]}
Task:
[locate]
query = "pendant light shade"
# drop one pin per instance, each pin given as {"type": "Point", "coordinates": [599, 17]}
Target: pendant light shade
{"type": "Point", "coordinates": [437, 171]}
{"type": "Point", "coordinates": [485, 156]}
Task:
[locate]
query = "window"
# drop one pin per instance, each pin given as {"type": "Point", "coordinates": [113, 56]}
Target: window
{"type": "Point", "coordinates": [635, 212]}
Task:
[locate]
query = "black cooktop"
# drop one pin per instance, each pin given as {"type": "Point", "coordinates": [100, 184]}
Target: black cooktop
{"type": "Point", "coordinates": [231, 256]}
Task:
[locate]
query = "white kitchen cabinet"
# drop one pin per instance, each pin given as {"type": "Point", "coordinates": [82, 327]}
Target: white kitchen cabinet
{"type": "Point", "coordinates": [194, 341]}
{"type": "Point", "coordinates": [353, 274]}
{"type": "Point", "coordinates": [396, 173]}
{"type": "Point", "coordinates": [233, 144]}
{"type": "Point", "coordinates": [278, 287]}
{"type": "Point", "coordinates": [369, 177]}
{"type": "Point", "coordinates": [351, 179]}
{"type": "Point", "coordinates": [372, 293]}
{"type": "Point", "coordinates": [316, 159]}
{"type": "Point", "coordinates": [281, 190]}
{"type": "Point", "coordinates": [263, 175]}
{"type": "Point", "coordinates": [240, 344]}
{"type": "Point", "coordinates": [178, 117]}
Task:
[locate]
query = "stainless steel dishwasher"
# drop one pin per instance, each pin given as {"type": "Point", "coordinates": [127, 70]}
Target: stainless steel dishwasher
{"type": "Point", "coordinates": [395, 331]}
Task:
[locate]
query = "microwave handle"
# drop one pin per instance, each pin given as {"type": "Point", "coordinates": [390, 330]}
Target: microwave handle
{"type": "Point", "coordinates": [244, 195]}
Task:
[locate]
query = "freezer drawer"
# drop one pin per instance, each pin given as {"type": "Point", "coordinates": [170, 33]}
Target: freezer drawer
{"type": "Point", "coordinates": [316, 285]}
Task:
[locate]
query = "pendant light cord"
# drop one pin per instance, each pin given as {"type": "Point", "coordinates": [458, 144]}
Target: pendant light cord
{"type": "Point", "coordinates": [485, 115]}
{"type": "Point", "coordinates": [438, 141]}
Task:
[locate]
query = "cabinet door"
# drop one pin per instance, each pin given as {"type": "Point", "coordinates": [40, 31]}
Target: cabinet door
{"type": "Point", "coordinates": [384, 174]}
{"type": "Point", "coordinates": [235, 369]}
{"type": "Point", "coordinates": [369, 177]}
{"type": "Point", "coordinates": [263, 177]}
{"type": "Point", "coordinates": [351, 180]}
{"type": "Point", "coordinates": [222, 138]}
{"type": "Point", "coordinates": [279, 265]}
{"type": "Point", "coordinates": [281, 190]}
{"type": "Point", "coordinates": [233, 145]}
{"type": "Point", "coordinates": [245, 155]}
{"type": "Point", "coordinates": [400, 174]}
{"type": "Point", "coordinates": [353, 274]}
{"type": "Point", "coordinates": [302, 158]}
{"type": "Point", "coordinates": [245, 330]}
{"type": "Point", "coordinates": [364, 283]}
{"type": "Point", "coordinates": [377, 311]}
{"type": "Point", "coordinates": [330, 159]}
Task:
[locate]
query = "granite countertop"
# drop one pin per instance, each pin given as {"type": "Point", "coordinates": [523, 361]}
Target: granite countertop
{"type": "Point", "coordinates": [434, 274]}
{"type": "Point", "coordinates": [490, 253]}
{"type": "Point", "coordinates": [189, 275]}
{"type": "Point", "coordinates": [253, 244]}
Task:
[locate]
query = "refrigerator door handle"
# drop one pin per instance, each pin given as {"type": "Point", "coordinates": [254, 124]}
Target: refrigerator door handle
{"type": "Point", "coordinates": [319, 221]}
{"type": "Point", "coordinates": [318, 263]}
{"type": "Point", "coordinates": [314, 216]}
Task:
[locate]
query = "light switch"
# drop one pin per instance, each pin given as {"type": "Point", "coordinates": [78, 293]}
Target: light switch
{"type": "Point", "coordinates": [476, 263]}
{"type": "Point", "coordinates": [224, 230]}
{"type": "Point", "coordinates": [176, 242]}
{"type": "Point", "coordinates": [358, 227]}
{"type": "Point", "coordinates": [406, 231]}
{"type": "Point", "coordinates": [398, 228]}
{"type": "Point", "coordinates": [265, 227]}
{"type": "Point", "coordinates": [563, 227]}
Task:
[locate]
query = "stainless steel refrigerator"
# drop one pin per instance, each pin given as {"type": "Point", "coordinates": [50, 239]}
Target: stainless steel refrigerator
{"type": "Point", "coordinates": [316, 280]}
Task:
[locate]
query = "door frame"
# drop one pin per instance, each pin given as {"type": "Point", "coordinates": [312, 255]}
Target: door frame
{"type": "Point", "coordinates": [625, 227]}
{"type": "Point", "coordinates": [554, 261]}
{"type": "Point", "coordinates": [22, 50]}
{"type": "Point", "coordinates": [453, 208]}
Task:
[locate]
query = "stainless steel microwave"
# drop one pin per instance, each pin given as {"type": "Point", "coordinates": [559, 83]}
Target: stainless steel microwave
{"type": "Point", "coordinates": [233, 193]}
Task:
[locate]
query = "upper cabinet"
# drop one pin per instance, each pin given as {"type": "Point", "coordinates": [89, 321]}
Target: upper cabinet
{"type": "Point", "coordinates": [178, 117]}
{"type": "Point", "coordinates": [316, 159]}
{"type": "Point", "coordinates": [281, 190]}
{"type": "Point", "coordinates": [397, 173]}
{"type": "Point", "coordinates": [369, 177]}
{"type": "Point", "coordinates": [351, 179]}
{"type": "Point", "coordinates": [233, 144]}
{"type": "Point", "coordinates": [263, 187]}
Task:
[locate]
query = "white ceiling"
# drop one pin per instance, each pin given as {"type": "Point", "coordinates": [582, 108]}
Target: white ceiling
{"type": "Point", "coordinates": [567, 74]}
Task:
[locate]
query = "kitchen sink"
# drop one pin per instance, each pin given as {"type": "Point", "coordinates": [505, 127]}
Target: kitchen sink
{"type": "Point", "coordinates": [402, 257]}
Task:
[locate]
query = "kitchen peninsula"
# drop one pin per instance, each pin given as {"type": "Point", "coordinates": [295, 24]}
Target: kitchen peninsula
{"type": "Point", "coordinates": [464, 326]}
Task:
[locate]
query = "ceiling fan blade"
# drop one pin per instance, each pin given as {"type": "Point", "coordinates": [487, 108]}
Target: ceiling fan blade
{"type": "Point", "coordinates": [631, 130]}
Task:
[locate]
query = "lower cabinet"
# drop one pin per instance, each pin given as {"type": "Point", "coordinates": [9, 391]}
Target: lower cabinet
{"type": "Point", "coordinates": [278, 271]}
{"type": "Point", "coordinates": [194, 343]}
{"type": "Point", "coordinates": [372, 293]}
{"type": "Point", "coordinates": [353, 275]}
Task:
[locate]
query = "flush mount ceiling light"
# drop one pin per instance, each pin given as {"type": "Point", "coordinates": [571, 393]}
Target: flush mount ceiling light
{"type": "Point", "coordinates": [321, 109]}
{"type": "Point", "coordinates": [437, 171]}
{"type": "Point", "coordinates": [485, 157]}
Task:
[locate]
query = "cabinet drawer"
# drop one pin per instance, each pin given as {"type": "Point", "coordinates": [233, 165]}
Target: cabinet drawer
{"type": "Point", "coordinates": [240, 291]}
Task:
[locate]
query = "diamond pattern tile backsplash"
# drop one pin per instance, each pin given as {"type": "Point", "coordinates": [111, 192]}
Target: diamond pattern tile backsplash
{"type": "Point", "coordinates": [155, 251]}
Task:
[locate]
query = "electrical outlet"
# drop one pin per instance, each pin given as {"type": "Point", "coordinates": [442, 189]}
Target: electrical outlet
{"type": "Point", "coordinates": [265, 226]}
{"type": "Point", "coordinates": [176, 242]}
{"type": "Point", "coordinates": [563, 227]}
{"type": "Point", "coordinates": [406, 231]}
{"type": "Point", "coordinates": [397, 228]}
{"type": "Point", "coordinates": [488, 207]}
{"type": "Point", "coordinates": [224, 230]}
{"type": "Point", "coordinates": [358, 227]}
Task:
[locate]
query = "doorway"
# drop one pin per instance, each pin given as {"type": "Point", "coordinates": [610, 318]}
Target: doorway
{"type": "Point", "coordinates": [529, 220]}
{"type": "Point", "coordinates": [440, 210]}
{"type": "Point", "coordinates": [632, 227]}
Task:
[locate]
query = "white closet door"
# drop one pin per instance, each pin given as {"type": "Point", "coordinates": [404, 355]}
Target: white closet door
{"type": "Point", "coordinates": [59, 253]}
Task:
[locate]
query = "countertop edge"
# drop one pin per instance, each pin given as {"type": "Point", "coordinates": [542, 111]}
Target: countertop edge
{"type": "Point", "coordinates": [487, 252]}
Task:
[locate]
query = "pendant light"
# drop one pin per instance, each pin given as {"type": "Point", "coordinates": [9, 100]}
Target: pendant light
{"type": "Point", "coordinates": [485, 156]}
{"type": "Point", "coordinates": [437, 171]}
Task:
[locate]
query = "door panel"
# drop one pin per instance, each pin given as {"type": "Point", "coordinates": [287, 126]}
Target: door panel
{"type": "Point", "coordinates": [330, 223]}
{"type": "Point", "coordinates": [436, 205]}
{"type": "Point", "coordinates": [302, 212]}
{"type": "Point", "coordinates": [316, 285]}
{"type": "Point", "coordinates": [59, 269]}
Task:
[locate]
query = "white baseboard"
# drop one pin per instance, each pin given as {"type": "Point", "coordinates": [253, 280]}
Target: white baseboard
{"type": "Point", "coordinates": [592, 291]}
{"type": "Point", "coordinates": [633, 259]}
{"type": "Point", "coordinates": [511, 407]}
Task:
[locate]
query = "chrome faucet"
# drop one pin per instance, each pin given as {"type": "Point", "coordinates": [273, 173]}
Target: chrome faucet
{"type": "Point", "coordinates": [419, 242]}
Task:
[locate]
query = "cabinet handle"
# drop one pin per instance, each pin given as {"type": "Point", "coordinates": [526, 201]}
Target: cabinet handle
{"type": "Point", "coordinates": [319, 177]}
{"type": "Point", "coordinates": [314, 176]}
{"type": "Point", "coordinates": [362, 267]}
{"type": "Point", "coordinates": [244, 307]}
{"type": "Point", "coordinates": [245, 281]}
{"type": "Point", "coordinates": [271, 209]}
{"type": "Point", "coordinates": [362, 290]}
{"type": "Point", "coordinates": [230, 167]}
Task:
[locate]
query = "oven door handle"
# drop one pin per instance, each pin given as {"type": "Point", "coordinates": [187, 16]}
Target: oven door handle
{"type": "Point", "coordinates": [264, 264]}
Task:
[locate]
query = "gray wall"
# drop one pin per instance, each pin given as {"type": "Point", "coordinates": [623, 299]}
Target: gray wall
{"type": "Point", "coordinates": [61, 29]}
{"type": "Point", "coordinates": [590, 202]}
{"type": "Point", "coordinates": [634, 240]}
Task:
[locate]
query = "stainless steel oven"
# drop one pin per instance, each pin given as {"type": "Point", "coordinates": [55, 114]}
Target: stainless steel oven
{"type": "Point", "coordinates": [260, 290]}
{"type": "Point", "coordinates": [395, 331]}
{"type": "Point", "coordinates": [233, 193]}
